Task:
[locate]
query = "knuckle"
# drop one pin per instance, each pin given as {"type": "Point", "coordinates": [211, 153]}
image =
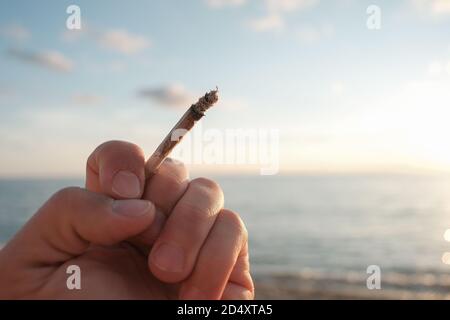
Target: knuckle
{"type": "Point", "coordinates": [66, 197]}
{"type": "Point", "coordinates": [64, 200]}
{"type": "Point", "coordinates": [174, 170]}
{"type": "Point", "coordinates": [235, 221]}
{"type": "Point", "coordinates": [208, 184]}
{"type": "Point", "coordinates": [193, 214]}
{"type": "Point", "coordinates": [174, 162]}
{"type": "Point", "coordinates": [75, 198]}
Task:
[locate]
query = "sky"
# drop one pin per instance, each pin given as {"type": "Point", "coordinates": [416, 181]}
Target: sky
{"type": "Point", "coordinates": [326, 92]}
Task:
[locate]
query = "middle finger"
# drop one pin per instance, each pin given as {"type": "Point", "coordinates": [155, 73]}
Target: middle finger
{"type": "Point", "coordinates": [174, 254]}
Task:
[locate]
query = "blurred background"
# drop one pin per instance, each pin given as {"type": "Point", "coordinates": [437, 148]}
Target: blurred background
{"type": "Point", "coordinates": [358, 95]}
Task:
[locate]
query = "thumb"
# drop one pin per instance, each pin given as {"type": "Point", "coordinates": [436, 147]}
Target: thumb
{"type": "Point", "coordinates": [73, 219]}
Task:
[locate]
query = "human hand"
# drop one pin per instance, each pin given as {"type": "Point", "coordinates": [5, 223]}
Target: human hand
{"type": "Point", "coordinates": [164, 238]}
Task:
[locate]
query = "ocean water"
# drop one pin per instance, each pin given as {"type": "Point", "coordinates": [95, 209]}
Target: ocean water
{"type": "Point", "coordinates": [321, 231]}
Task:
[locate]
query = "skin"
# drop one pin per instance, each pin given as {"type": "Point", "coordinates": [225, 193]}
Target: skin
{"type": "Point", "coordinates": [164, 238]}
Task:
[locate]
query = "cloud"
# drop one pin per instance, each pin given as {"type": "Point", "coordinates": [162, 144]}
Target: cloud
{"type": "Point", "coordinates": [170, 96]}
{"type": "Point", "coordinates": [15, 32]}
{"type": "Point", "coordinates": [289, 5]}
{"type": "Point", "coordinates": [175, 95]}
{"type": "Point", "coordinates": [274, 19]}
{"type": "Point", "coordinates": [122, 41]}
{"type": "Point", "coordinates": [435, 8]}
{"type": "Point", "coordinates": [119, 40]}
{"type": "Point", "coordinates": [225, 3]}
{"type": "Point", "coordinates": [276, 11]}
{"type": "Point", "coordinates": [272, 6]}
{"type": "Point", "coordinates": [49, 59]}
{"type": "Point", "coordinates": [267, 23]}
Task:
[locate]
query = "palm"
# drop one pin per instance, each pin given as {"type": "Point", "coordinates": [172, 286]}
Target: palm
{"type": "Point", "coordinates": [116, 272]}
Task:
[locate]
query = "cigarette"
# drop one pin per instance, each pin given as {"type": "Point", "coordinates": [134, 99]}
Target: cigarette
{"type": "Point", "coordinates": [183, 126]}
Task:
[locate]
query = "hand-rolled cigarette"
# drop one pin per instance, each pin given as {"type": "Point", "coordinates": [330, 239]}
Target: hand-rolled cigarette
{"type": "Point", "coordinates": [184, 125]}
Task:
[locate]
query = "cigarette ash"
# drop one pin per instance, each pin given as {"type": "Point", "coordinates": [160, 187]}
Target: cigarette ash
{"type": "Point", "coordinates": [206, 102]}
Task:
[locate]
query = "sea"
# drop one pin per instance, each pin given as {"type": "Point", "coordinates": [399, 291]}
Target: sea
{"type": "Point", "coordinates": [317, 236]}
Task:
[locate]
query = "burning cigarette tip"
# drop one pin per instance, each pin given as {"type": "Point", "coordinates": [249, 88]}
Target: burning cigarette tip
{"type": "Point", "coordinates": [207, 101]}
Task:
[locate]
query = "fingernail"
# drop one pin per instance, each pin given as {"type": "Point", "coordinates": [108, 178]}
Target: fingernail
{"type": "Point", "coordinates": [126, 184]}
{"type": "Point", "coordinates": [131, 208]}
{"type": "Point", "coordinates": [169, 257]}
{"type": "Point", "coordinates": [192, 293]}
